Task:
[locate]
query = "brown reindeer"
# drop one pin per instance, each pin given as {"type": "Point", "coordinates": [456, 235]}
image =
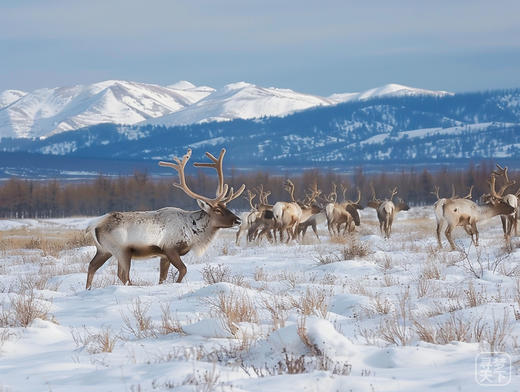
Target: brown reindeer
{"type": "Point", "coordinates": [509, 221]}
{"type": "Point", "coordinates": [344, 213]}
{"type": "Point", "coordinates": [169, 232]}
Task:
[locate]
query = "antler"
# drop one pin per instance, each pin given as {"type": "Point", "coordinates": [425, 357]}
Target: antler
{"type": "Point", "coordinates": [358, 196]}
{"type": "Point", "coordinates": [217, 165]}
{"type": "Point", "coordinates": [492, 190]}
{"type": "Point", "coordinates": [222, 188]}
{"type": "Point", "coordinates": [393, 193]}
{"type": "Point", "coordinates": [453, 194]}
{"type": "Point", "coordinates": [468, 196]}
{"type": "Point", "coordinates": [311, 198]}
{"type": "Point", "coordinates": [373, 191]}
{"type": "Point", "coordinates": [264, 197]}
{"type": "Point", "coordinates": [343, 191]}
{"type": "Point", "coordinates": [289, 187]}
{"type": "Point", "coordinates": [250, 196]}
{"type": "Point", "coordinates": [333, 195]}
{"type": "Point", "coordinates": [502, 171]}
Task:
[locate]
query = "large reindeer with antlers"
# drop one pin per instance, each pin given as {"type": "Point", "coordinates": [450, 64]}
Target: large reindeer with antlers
{"type": "Point", "coordinates": [344, 213]}
{"type": "Point", "coordinates": [438, 208]}
{"type": "Point", "coordinates": [169, 232]}
{"type": "Point", "coordinates": [509, 221]}
{"type": "Point", "coordinates": [386, 210]}
{"type": "Point", "coordinates": [466, 213]}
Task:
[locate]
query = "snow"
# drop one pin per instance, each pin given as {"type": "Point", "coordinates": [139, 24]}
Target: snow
{"type": "Point", "coordinates": [56, 354]}
{"type": "Point", "coordinates": [426, 132]}
{"type": "Point", "coordinates": [49, 111]}
{"type": "Point", "coordinates": [7, 97]}
{"type": "Point", "coordinates": [241, 100]}
{"type": "Point", "coordinates": [388, 90]}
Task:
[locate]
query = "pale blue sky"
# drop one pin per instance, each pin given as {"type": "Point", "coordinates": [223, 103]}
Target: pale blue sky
{"type": "Point", "coordinates": [309, 46]}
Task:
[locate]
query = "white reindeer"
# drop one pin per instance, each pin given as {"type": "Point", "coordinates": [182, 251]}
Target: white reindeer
{"type": "Point", "coordinates": [168, 233]}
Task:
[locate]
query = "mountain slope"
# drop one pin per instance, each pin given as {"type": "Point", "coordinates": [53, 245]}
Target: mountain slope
{"type": "Point", "coordinates": [7, 97]}
{"type": "Point", "coordinates": [241, 100]}
{"type": "Point", "coordinates": [45, 112]}
{"type": "Point", "coordinates": [388, 90]}
{"type": "Point", "coordinates": [383, 132]}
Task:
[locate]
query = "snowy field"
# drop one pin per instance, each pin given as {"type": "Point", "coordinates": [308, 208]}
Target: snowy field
{"type": "Point", "coordinates": [354, 314]}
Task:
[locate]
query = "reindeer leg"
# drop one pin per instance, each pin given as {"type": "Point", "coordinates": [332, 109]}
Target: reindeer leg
{"type": "Point", "coordinates": [503, 219]}
{"type": "Point", "coordinates": [176, 261]}
{"type": "Point", "coordinates": [97, 261]}
{"type": "Point", "coordinates": [316, 232]}
{"type": "Point", "coordinates": [164, 266]}
{"type": "Point", "coordinates": [475, 231]}
{"type": "Point", "coordinates": [439, 228]}
{"type": "Point", "coordinates": [447, 233]}
{"type": "Point", "coordinates": [329, 226]}
{"type": "Point", "coordinates": [123, 267]}
{"type": "Point", "coordinates": [237, 239]}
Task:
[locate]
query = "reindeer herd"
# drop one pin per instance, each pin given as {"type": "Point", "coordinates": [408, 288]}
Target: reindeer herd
{"type": "Point", "coordinates": [172, 232]}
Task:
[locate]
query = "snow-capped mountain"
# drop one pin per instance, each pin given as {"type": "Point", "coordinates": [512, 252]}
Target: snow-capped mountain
{"type": "Point", "coordinates": [45, 112]}
{"type": "Point", "coordinates": [241, 100]}
{"type": "Point", "coordinates": [7, 97]}
{"type": "Point", "coordinates": [383, 132]}
{"type": "Point", "coordinates": [48, 111]}
{"type": "Point", "coordinates": [388, 90]}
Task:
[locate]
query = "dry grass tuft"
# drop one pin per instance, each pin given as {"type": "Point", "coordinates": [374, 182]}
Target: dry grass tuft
{"type": "Point", "coordinates": [234, 308]}
{"type": "Point", "coordinates": [169, 324]}
{"type": "Point", "coordinates": [395, 329]}
{"type": "Point", "coordinates": [141, 325]}
{"type": "Point", "coordinates": [312, 302]}
{"type": "Point", "coordinates": [216, 273]}
{"type": "Point", "coordinates": [24, 308]}
{"type": "Point", "coordinates": [279, 308]}
{"type": "Point", "coordinates": [95, 342]}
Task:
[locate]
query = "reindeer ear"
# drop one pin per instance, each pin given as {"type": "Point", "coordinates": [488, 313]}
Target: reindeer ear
{"type": "Point", "coordinates": [204, 206]}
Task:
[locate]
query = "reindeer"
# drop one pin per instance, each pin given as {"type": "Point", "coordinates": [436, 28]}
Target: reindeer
{"type": "Point", "coordinates": [288, 215]}
{"type": "Point", "coordinates": [438, 208]}
{"type": "Point", "coordinates": [466, 213]}
{"type": "Point", "coordinates": [509, 220]}
{"type": "Point", "coordinates": [386, 210]}
{"type": "Point", "coordinates": [247, 218]}
{"type": "Point", "coordinates": [169, 232]}
{"type": "Point", "coordinates": [345, 213]}
{"type": "Point", "coordinates": [264, 225]}
{"type": "Point", "coordinates": [314, 219]}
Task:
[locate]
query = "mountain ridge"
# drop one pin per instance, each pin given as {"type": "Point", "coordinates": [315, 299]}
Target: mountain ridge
{"type": "Point", "coordinates": [48, 111]}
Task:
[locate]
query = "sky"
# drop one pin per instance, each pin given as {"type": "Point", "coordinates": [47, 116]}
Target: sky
{"type": "Point", "coordinates": [308, 46]}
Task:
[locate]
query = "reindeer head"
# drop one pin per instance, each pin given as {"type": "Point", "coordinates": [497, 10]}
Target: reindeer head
{"type": "Point", "coordinates": [374, 203]}
{"type": "Point", "coordinates": [495, 197]}
{"type": "Point", "coordinates": [401, 205]}
{"type": "Point", "coordinates": [216, 208]}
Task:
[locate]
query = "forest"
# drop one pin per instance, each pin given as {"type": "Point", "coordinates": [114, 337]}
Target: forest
{"type": "Point", "coordinates": [23, 198]}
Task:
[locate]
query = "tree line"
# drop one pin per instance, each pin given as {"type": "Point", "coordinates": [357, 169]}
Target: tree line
{"type": "Point", "coordinates": [22, 198]}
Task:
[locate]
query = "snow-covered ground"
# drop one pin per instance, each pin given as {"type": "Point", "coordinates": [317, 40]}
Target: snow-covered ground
{"type": "Point", "coordinates": [363, 314]}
